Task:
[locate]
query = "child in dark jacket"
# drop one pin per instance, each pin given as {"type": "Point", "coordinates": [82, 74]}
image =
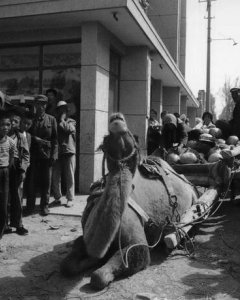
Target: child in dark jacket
{"type": "Point", "coordinates": [17, 174]}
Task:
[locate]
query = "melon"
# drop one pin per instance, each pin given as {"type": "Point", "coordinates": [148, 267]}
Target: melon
{"type": "Point", "coordinates": [232, 140]}
{"type": "Point", "coordinates": [188, 158]}
{"type": "Point", "coordinates": [173, 158]}
{"type": "Point", "coordinates": [214, 157]}
{"type": "Point", "coordinates": [215, 132]}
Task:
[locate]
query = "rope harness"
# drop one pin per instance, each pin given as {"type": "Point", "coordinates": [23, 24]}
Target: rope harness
{"type": "Point", "coordinates": [163, 175]}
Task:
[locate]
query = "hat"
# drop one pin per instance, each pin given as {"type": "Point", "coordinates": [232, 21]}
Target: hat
{"type": "Point", "coordinates": [41, 98]}
{"type": "Point", "coordinates": [183, 117]}
{"type": "Point", "coordinates": [205, 137]}
{"type": "Point", "coordinates": [61, 103]}
{"type": "Point", "coordinates": [170, 119]}
{"type": "Point", "coordinates": [235, 90]}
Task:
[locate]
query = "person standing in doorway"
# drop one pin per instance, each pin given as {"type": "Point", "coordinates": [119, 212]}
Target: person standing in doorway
{"type": "Point", "coordinates": [52, 102]}
{"type": "Point", "coordinates": [67, 156]}
{"type": "Point", "coordinates": [44, 152]}
{"type": "Point", "coordinates": [153, 133]}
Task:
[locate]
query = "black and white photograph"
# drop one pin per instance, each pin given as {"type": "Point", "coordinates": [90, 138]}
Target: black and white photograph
{"type": "Point", "coordinates": [119, 149]}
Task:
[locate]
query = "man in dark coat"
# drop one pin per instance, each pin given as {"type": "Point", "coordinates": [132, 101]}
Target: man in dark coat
{"type": "Point", "coordinates": [235, 122]}
{"type": "Point", "coordinates": [44, 152]}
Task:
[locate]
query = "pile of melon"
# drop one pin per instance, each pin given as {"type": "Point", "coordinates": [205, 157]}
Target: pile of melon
{"type": "Point", "coordinates": [206, 149]}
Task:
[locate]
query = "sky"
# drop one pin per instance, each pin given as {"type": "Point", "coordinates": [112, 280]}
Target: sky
{"type": "Point", "coordinates": [225, 58]}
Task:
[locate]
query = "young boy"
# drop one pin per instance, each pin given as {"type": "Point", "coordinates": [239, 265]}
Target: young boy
{"type": "Point", "coordinates": [17, 174]}
{"type": "Point", "coordinates": [26, 124]}
{"type": "Point", "coordinates": [7, 150]}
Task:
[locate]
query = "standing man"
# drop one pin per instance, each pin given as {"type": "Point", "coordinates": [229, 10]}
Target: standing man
{"type": "Point", "coordinates": [66, 159]}
{"type": "Point", "coordinates": [235, 122]}
{"type": "Point", "coordinates": [52, 102]}
{"type": "Point", "coordinates": [44, 152]}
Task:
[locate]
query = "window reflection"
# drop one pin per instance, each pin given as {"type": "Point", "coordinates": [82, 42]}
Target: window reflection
{"type": "Point", "coordinates": [14, 58]}
{"type": "Point", "coordinates": [62, 55]}
{"type": "Point", "coordinates": [19, 82]}
{"type": "Point", "coordinates": [67, 83]}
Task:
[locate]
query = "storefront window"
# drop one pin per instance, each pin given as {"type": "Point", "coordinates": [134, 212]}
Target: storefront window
{"type": "Point", "coordinates": [19, 82]}
{"type": "Point", "coordinates": [62, 55]}
{"type": "Point", "coordinates": [67, 83]}
{"type": "Point", "coordinates": [15, 58]}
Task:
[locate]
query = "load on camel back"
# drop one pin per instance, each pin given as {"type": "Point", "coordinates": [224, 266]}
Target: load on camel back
{"type": "Point", "coordinates": [135, 205]}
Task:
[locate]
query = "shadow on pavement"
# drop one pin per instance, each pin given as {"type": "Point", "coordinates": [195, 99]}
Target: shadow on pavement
{"type": "Point", "coordinates": [217, 259]}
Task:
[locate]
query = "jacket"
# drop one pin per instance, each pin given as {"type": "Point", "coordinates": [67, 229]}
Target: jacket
{"type": "Point", "coordinates": [22, 156]}
{"type": "Point", "coordinates": [44, 138]}
{"type": "Point", "coordinates": [67, 137]}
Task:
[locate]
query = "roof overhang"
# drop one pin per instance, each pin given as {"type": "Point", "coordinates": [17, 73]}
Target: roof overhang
{"type": "Point", "coordinates": [124, 18]}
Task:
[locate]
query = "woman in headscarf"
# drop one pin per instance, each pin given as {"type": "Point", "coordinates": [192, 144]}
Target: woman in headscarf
{"type": "Point", "coordinates": [174, 132]}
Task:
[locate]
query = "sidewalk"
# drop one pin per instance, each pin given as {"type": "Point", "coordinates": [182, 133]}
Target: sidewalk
{"type": "Point", "coordinates": [76, 210]}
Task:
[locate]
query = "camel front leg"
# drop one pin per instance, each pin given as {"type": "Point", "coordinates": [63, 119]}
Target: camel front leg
{"type": "Point", "coordinates": [138, 258]}
{"type": "Point", "coordinates": [77, 261]}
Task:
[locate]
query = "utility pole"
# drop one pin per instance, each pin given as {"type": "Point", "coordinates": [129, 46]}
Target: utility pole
{"type": "Point", "coordinates": [209, 40]}
{"type": "Point", "coordinates": [208, 79]}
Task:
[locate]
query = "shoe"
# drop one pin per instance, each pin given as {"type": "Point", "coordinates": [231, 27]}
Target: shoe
{"type": "Point", "coordinates": [22, 231]}
{"type": "Point", "coordinates": [56, 202]}
{"type": "Point", "coordinates": [7, 230]}
{"type": "Point", "coordinates": [44, 211]}
{"type": "Point", "coordinates": [28, 212]}
{"type": "Point", "coordinates": [69, 204]}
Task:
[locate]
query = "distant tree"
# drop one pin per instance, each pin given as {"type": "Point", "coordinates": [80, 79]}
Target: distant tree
{"type": "Point", "coordinates": [226, 95]}
{"type": "Point", "coordinates": [213, 106]}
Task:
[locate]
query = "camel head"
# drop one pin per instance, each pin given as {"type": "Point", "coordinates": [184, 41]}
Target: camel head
{"type": "Point", "coordinates": [120, 146]}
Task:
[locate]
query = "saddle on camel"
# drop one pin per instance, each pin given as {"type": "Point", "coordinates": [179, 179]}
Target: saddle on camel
{"type": "Point", "coordinates": [128, 211]}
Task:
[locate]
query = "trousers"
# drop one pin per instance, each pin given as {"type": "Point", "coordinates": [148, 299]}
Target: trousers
{"type": "Point", "coordinates": [40, 175]}
{"type": "Point", "coordinates": [64, 168]}
{"type": "Point", "coordinates": [15, 197]}
{"type": "Point", "coordinates": [4, 189]}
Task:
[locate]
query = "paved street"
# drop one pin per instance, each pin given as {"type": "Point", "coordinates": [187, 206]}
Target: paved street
{"type": "Point", "coordinates": [30, 265]}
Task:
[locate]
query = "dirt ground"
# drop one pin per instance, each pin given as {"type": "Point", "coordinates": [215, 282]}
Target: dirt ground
{"type": "Point", "coordinates": [29, 265]}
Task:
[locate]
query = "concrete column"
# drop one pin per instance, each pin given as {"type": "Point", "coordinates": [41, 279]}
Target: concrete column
{"type": "Point", "coordinates": [135, 90]}
{"type": "Point", "coordinates": [183, 105]}
{"type": "Point", "coordinates": [156, 96]}
{"type": "Point", "coordinates": [171, 99]}
{"type": "Point", "coordinates": [192, 113]}
{"type": "Point", "coordinates": [94, 101]}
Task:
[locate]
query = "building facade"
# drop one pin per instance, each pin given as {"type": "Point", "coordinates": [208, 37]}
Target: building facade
{"type": "Point", "coordinates": [101, 56]}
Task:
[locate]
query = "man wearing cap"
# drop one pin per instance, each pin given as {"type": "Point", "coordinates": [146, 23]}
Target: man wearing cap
{"type": "Point", "coordinates": [66, 155]}
{"type": "Point", "coordinates": [235, 122]}
{"type": "Point", "coordinates": [44, 152]}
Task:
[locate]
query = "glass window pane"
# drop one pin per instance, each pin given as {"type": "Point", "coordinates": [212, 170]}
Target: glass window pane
{"type": "Point", "coordinates": [114, 63]}
{"type": "Point", "coordinates": [62, 55]}
{"type": "Point", "coordinates": [67, 83]}
{"type": "Point", "coordinates": [12, 58]}
{"type": "Point", "coordinates": [113, 94]}
{"type": "Point", "coordinates": [19, 83]}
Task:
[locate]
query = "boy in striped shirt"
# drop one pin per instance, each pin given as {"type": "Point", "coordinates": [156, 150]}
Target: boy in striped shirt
{"type": "Point", "coordinates": [7, 150]}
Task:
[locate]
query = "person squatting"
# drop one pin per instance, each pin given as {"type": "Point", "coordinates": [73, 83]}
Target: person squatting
{"type": "Point", "coordinates": [35, 148]}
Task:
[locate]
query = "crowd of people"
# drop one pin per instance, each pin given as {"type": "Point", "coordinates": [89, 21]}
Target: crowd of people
{"type": "Point", "coordinates": [35, 147]}
{"type": "Point", "coordinates": [174, 129]}
{"type": "Point", "coordinates": [38, 146]}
